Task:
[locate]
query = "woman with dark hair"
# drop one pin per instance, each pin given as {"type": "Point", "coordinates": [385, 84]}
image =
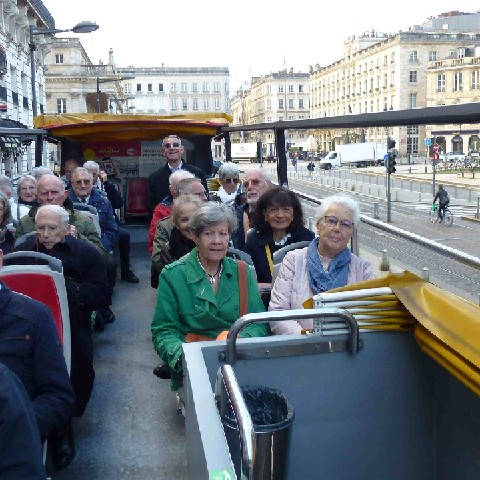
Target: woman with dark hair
{"type": "Point", "coordinates": [277, 221]}
{"type": "Point", "coordinates": [7, 238]}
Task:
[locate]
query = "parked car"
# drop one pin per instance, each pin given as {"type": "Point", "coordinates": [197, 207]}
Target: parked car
{"type": "Point", "coordinates": [453, 156]}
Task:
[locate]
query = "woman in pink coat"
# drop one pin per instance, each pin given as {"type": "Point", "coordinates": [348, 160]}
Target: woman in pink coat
{"type": "Point", "coordinates": [325, 264]}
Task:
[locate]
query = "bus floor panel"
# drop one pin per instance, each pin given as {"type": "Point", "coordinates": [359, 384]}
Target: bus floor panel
{"type": "Point", "coordinates": [130, 429]}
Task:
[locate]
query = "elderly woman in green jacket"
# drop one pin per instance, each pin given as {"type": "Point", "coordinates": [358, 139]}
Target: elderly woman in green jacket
{"type": "Point", "coordinates": [199, 294]}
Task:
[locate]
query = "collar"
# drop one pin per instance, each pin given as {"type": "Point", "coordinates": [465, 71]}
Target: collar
{"type": "Point", "coordinates": [83, 201]}
{"type": "Point", "coordinates": [173, 169]}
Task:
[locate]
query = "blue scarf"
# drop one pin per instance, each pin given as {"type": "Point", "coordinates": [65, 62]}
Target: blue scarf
{"type": "Point", "coordinates": [337, 274]}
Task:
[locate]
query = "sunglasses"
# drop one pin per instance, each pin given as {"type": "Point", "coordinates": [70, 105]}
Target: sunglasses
{"type": "Point", "coordinates": [254, 183]}
{"type": "Point", "coordinates": [332, 222]}
{"type": "Point", "coordinates": [231, 180]}
{"type": "Point", "coordinates": [171, 145]}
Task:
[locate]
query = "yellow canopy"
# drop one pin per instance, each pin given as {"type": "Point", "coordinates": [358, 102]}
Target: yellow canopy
{"type": "Point", "coordinates": [448, 327]}
{"type": "Point", "coordinates": [82, 127]}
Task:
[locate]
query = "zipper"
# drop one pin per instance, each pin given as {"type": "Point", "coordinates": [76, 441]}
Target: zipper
{"type": "Point", "coordinates": [25, 337]}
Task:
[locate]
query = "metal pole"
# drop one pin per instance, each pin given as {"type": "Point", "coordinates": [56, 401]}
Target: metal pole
{"type": "Point", "coordinates": [98, 95]}
{"type": "Point", "coordinates": [389, 201]}
{"type": "Point", "coordinates": [433, 178]}
{"type": "Point", "coordinates": [32, 75]}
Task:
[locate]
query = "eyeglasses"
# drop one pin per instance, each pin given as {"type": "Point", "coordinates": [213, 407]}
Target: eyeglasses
{"type": "Point", "coordinates": [332, 222]}
{"type": "Point", "coordinates": [230, 180]}
{"type": "Point", "coordinates": [255, 182]}
{"type": "Point", "coordinates": [79, 182]}
{"type": "Point", "coordinates": [171, 145]}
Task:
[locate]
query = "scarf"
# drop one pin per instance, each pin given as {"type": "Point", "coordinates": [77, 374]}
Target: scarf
{"type": "Point", "coordinates": [179, 244]}
{"type": "Point", "coordinates": [337, 274]}
{"type": "Point", "coordinates": [225, 197]}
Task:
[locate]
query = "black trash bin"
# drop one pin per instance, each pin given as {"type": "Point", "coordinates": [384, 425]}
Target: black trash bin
{"type": "Point", "coordinates": [272, 417]}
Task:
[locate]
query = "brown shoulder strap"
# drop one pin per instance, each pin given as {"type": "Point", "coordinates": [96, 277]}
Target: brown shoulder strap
{"type": "Point", "coordinates": [242, 287]}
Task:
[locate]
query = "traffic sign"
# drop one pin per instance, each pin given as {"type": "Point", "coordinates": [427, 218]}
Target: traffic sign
{"type": "Point", "coordinates": [428, 142]}
{"type": "Point", "coordinates": [436, 147]}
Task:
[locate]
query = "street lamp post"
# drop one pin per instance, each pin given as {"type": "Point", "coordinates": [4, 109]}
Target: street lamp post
{"type": "Point", "coordinates": [82, 27]}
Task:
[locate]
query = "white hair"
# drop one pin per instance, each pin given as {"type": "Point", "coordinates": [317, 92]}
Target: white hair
{"type": "Point", "coordinates": [346, 202]}
{"type": "Point", "coordinates": [93, 165]}
{"type": "Point", "coordinates": [178, 175]}
{"type": "Point", "coordinates": [60, 211]}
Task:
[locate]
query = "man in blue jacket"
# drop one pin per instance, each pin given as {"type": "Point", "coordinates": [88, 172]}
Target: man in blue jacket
{"type": "Point", "coordinates": [30, 347]}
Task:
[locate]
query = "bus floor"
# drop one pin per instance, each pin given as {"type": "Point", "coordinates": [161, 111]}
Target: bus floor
{"type": "Point", "coordinates": [130, 429]}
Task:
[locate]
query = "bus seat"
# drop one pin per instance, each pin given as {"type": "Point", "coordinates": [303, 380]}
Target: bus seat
{"type": "Point", "coordinates": [137, 196]}
{"type": "Point", "coordinates": [44, 283]}
{"type": "Point", "coordinates": [279, 255]}
{"type": "Point", "coordinates": [235, 253]}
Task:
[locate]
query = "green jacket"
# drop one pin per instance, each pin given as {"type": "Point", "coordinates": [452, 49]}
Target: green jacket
{"type": "Point", "coordinates": [186, 303]}
{"type": "Point", "coordinates": [85, 228]}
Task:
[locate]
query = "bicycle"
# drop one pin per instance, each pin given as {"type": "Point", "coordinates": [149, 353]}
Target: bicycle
{"type": "Point", "coordinates": [447, 216]}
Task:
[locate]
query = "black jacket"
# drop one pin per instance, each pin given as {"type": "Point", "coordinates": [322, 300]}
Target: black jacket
{"type": "Point", "coordinates": [255, 247]}
{"type": "Point", "coordinates": [158, 186]}
{"type": "Point", "coordinates": [20, 447]}
{"type": "Point", "coordinates": [30, 347]}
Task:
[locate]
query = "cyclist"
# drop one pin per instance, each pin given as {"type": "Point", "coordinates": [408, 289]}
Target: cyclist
{"type": "Point", "coordinates": [443, 202]}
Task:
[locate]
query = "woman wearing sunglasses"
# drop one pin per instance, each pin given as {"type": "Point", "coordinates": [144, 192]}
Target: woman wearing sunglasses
{"type": "Point", "coordinates": [325, 264]}
{"type": "Point", "coordinates": [230, 191]}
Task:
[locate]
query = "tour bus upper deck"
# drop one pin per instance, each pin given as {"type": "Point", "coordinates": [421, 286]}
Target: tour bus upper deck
{"type": "Point", "coordinates": [129, 147]}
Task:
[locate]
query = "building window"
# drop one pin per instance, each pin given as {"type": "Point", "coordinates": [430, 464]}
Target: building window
{"type": "Point", "coordinates": [281, 105]}
{"type": "Point", "coordinates": [458, 82]}
{"type": "Point", "coordinates": [127, 88]}
{"type": "Point", "coordinates": [58, 58]}
{"type": "Point", "coordinates": [139, 87]}
{"type": "Point", "coordinates": [226, 88]}
{"type": "Point", "coordinates": [475, 79]}
{"type": "Point", "coordinates": [216, 87]}
{"type": "Point", "coordinates": [413, 56]}
{"type": "Point", "coordinates": [173, 88]}
{"type": "Point", "coordinates": [216, 103]}
{"type": "Point", "coordinates": [280, 89]}
{"type": "Point", "coordinates": [205, 87]}
{"type": "Point", "coordinates": [412, 76]}
{"type": "Point", "coordinates": [269, 119]}
{"type": "Point", "coordinates": [174, 103]}
{"type": "Point", "coordinates": [385, 61]}
{"type": "Point", "coordinates": [195, 87]}
{"type": "Point", "coordinates": [61, 105]}
{"type": "Point", "coordinates": [300, 103]}
{"type": "Point", "coordinates": [412, 100]}
{"type": "Point", "coordinates": [392, 57]}
{"type": "Point", "coordinates": [441, 83]}
{"type": "Point", "coordinates": [269, 103]}
{"type": "Point", "coordinates": [432, 56]}
{"type": "Point", "coordinates": [300, 89]}
{"type": "Point", "coordinates": [290, 104]}
{"type": "Point", "coordinates": [183, 87]}
{"type": "Point", "coordinates": [385, 80]}
{"type": "Point", "coordinates": [149, 87]}
{"type": "Point", "coordinates": [195, 104]}
{"type": "Point", "coordinates": [269, 89]}
{"type": "Point", "coordinates": [290, 89]}
{"type": "Point", "coordinates": [205, 104]}
{"type": "Point", "coordinates": [160, 87]}
{"type": "Point", "coordinates": [184, 104]}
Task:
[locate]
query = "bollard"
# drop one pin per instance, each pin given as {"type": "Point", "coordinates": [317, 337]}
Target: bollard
{"type": "Point", "coordinates": [410, 170]}
{"type": "Point", "coordinates": [426, 170]}
{"type": "Point", "coordinates": [426, 274]}
{"type": "Point", "coordinates": [384, 265]}
{"type": "Point", "coordinates": [376, 210]}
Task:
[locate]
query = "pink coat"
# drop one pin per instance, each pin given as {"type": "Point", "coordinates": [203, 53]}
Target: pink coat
{"type": "Point", "coordinates": [291, 288]}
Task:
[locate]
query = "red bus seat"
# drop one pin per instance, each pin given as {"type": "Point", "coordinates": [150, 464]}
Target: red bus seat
{"type": "Point", "coordinates": [137, 196]}
{"type": "Point", "coordinates": [46, 284]}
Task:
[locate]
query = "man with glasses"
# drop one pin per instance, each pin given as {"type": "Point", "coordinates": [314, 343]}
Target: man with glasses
{"type": "Point", "coordinates": [256, 182]}
{"type": "Point", "coordinates": [51, 191]}
{"type": "Point", "coordinates": [158, 186]}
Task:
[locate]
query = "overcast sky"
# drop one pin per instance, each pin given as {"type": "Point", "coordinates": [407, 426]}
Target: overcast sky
{"type": "Point", "coordinates": [251, 38]}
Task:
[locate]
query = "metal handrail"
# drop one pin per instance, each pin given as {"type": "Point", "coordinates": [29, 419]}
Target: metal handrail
{"type": "Point", "coordinates": [226, 378]}
{"type": "Point", "coordinates": [299, 314]}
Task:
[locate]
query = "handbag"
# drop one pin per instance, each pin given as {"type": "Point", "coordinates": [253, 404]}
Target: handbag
{"type": "Point", "coordinates": [243, 310]}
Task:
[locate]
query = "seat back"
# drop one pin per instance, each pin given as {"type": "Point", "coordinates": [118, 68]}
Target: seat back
{"type": "Point", "coordinates": [279, 255]}
{"type": "Point", "coordinates": [44, 283]}
{"type": "Point", "coordinates": [90, 212]}
{"type": "Point", "coordinates": [137, 196]}
{"type": "Point", "coordinates": [235, 253]}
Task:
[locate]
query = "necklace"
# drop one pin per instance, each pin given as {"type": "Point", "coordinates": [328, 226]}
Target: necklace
{"type": "Point", "coordinates": [211, 278]}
